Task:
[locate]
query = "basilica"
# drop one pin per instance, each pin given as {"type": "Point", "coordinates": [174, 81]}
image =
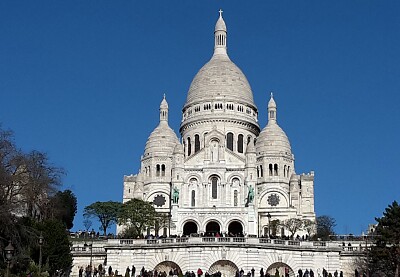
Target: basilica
{"type": "Point", "coordinates": [222, 186]}
{"type": "Point", "coordinates": [225, 174]}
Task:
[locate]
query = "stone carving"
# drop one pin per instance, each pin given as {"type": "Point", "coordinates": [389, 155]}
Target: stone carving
{"type": "Point", "coordinates": [273, 200]}
{"type": "Point", "coordinates": [159, 200]}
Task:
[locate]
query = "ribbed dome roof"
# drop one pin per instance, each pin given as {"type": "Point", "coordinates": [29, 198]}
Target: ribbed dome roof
{"type": "Point", "coordinates": [220, 79]}
{"type": "Point", "coordinates": [273, 140]}
{"type": "Point", "coordinates": [162, 141]}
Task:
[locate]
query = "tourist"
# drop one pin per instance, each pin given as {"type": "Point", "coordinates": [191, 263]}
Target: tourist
{"type": "Point", "coordinates": [199, 272]}
{"type": "Point", "coordinates": [109, 270]}
{"type": "Point", "coordinates": [311, 273]}
{"type": "Point", "coordinates": [252, 272]}
{"type": "Point", "coordinates": [133, 271]}
{"type": "Point", "coordinates": [261, 272]}
{"type": "Point", "coordinates": [300, 272]}
{"type": "Point", "coordinates": [127, 272]}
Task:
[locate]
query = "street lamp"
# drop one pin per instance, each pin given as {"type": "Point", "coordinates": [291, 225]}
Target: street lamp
{"type": "Point", "coordinates": [40, 252]}
{"type": "Point", "coordinates": [269, 224]}
{"type": "Point", "coordinates": [9, 250]}
{"type": "Point", "coordinates": [91, 250]}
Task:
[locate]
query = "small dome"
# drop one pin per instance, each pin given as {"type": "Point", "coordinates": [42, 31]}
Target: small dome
{"type": "Point", "coordinates": [162, 141]}
{"type": "Point", "coordinates": [220, 25]}
{"type": "Point", "coordinates": [164, 103]}
{"type": "Point", "coordinates": [271, 103]}
{"type": "Point", "coordinates": [273, 140]}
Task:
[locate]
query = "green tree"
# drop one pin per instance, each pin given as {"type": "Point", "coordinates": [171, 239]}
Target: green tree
{"type": "Point", "coordinates": [292, 225]}
{"type": "Point", "coordinates": [309, 226]}
{"type": "Point", "coordinates": [383, 259]}
{"type": "Point", "coordinates": [325, 226]}
{"type": "Point", "coordinates": [105, 212]}
{"type": "Point", "coordinates": [63, 206]}
{"type": "Point", "coordinates": [138, 215]}
{"type": "Point", "coordinates": [56, 246]}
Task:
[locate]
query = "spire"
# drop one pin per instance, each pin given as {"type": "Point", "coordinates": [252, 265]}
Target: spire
{"type": "Point", "coordinates": [220, 35]}
{"type": "Point", "coordinates": [271, 110]}
{"type": "Point", "coordinates": [164, 110]}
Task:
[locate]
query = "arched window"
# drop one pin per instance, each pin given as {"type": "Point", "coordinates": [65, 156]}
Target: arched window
{"type": "Point", "coordinates": [258, 171]}
{"type": "Point", "coordinates": [193, 202]}
{"type": "Point", "coordinates": [189, 146]}
{"type": "Point", "coordinates": [163, 170]}
{"type": "Point", "coordinates": [157, 170]}
{"type": "Point", "coordinates": [240, 143]}
{"type": "Point", "coordinates": [275, 170]}
{"type": "Point", "coordinates": [288, 170]}
{"type": "Point", "coordinates": [248, 139]}
{"type": "Point", "coordinates": [261, 171]}
{"type": "Point", "coordinates": [229, 141]}
{"type": "Point", "coordinates": [284, 171]}
{"type": "Point", "coordinates": [270, 169]}
{"type": "Point", "coordinates": [196, 143]}
{"type": "Point", "coordinates": [235, 198]}
{"type": "Point", "coordinates": [214, 182]}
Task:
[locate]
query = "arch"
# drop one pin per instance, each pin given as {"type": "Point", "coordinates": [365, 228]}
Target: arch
{"type": "Point", "coordinates": [214, 187]}
{"type": "Point", "coordinates": [283, 198]}
{"type": "Point", "coordinates": [226, 267]}
{"type": "Point", "coordinates": [235, 198]}
{"type": "Point", "coordinates": [163, 170]}
{"type": "Point", "coordinates": [193, 199]}
{"type": "Point", "coordinates": [281, 269]}
{"type": "Point", "coordinates": [212, 227]}
{"type": "Point", "coordinates": [158, 170]}
{"type": "Point", "coordinates": [275, 169]}
{"type": "Point", "coordinates": [270, 169]}
{"type": "Point", "coordinates": [196, 143]}
{"type": "Point", "coordinates": [229, 141]}
{"type": "Point", "coordinates": [235, 228]}
{"type": "Point", "coordinates": [190, 227]}
{"type": "Point", "coordinates": [189, 147]}
{"type": "Point", "coordinates": [240, 143]}
{"type": "Point", "coordinates": [167, 266]}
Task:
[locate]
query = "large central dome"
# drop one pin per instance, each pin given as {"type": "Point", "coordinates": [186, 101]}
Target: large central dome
{"type": "Point", "coordinates": [220, 79]}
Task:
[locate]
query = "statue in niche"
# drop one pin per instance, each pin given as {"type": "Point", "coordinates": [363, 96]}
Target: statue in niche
{"type": "Point", "coordinates": [250, 196]}
{"type": "Point", "coordinates": [214, 151]}
{"type": "Point", "coordinates": [175, 195]}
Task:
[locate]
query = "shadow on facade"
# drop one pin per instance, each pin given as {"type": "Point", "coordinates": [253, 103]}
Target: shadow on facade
{"type": "Point", "coordinates": [227, 268]}
{"type": "Point", "coordinates": [281, 269]}
{"type": "Point", "coordinates": [167, 266]}
{"type": "Point", "coordinates": [189, 228]}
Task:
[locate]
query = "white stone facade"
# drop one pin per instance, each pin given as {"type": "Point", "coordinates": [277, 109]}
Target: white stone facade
{"type": "Point", "coordinates": [221, 156]}
{"type": "Point", "coordinates": [232, 178]}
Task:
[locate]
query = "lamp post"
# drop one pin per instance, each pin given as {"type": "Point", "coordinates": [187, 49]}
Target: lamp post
{"type": "Point", "coordinates": [269, 224]}
{"type": "Point", "coordinates": [40, 252]}
{"type": "Point", "coordinates": [91, 250]}
{"type": "Point", "coordinates": [9, 250]}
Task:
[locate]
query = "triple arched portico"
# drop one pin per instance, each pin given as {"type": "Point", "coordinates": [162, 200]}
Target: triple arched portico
{"type": "Point", "coordinates": [213, 227]}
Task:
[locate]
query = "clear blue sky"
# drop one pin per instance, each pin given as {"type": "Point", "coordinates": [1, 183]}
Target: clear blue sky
{"type": "Point", "coordinates": [82, 81]}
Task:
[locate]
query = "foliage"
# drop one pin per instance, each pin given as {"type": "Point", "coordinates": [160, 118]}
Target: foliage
{"type": "Point", "coordinates": [325, 226]}
{"type": "Point", "coordinates": [274, 227]}
{"type": "Point", "coordinates": [63, 206]}
{"type": "Point", "coordinates": [138, 215]}
{"type": "Point", "coordinates": [28, 182]}
{"type": "Point", "coordinates": [292, 225]}
{"type": "Point", "coordinates": [105, 212]}
{"type": "Point", "coordinates": [56, 246]}
{"type": "Point", "coordinates": [383, 258]}
{"type": "Point", "coordinates": [309, 226]}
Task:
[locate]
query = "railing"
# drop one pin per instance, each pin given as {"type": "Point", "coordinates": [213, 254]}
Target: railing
{"type": "Point", "coordinates": [216, 241]}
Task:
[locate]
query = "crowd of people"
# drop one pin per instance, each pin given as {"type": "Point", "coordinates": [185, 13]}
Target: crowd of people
{"type": "Point", "coordinates": [102, 271]}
